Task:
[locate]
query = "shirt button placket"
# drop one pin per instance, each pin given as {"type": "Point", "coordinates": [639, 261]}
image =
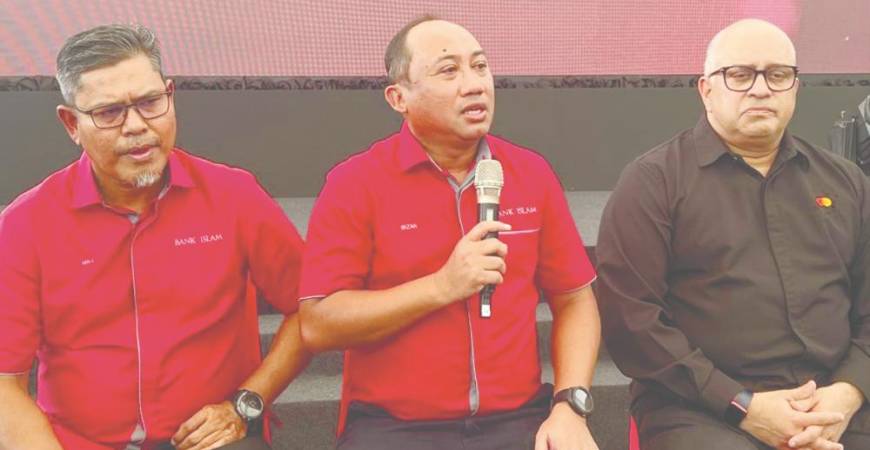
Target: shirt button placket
{"type": "Point", "coordinates": [779, 245]}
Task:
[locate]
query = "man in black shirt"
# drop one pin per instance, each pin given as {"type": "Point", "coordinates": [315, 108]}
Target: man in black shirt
{"type": "Point", "coordinates": [733, 265]}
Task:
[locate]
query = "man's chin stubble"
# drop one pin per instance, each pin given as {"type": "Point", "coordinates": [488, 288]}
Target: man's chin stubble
{"type": "Point", "coordinates": [146, 179]}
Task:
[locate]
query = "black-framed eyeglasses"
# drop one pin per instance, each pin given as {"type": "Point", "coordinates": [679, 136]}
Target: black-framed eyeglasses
{"type": "Point", "coordinates": [742, 78]}
{"type": "Point", "coordinates": [113, 116]}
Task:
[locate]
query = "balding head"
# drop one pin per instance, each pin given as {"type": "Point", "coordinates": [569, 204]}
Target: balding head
{"type": "Point", "coordinates": [751, 103]}
{"type": "Point", "coordinates": [397, 57]}
{"type": "Point", "coordinates": [737, 41]}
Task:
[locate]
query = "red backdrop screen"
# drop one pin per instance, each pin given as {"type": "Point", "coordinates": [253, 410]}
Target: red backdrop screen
{"type": "Point", "coordinates": [521, 37]}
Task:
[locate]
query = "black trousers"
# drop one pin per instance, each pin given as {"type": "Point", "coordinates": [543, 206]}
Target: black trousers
{"type": "Point", "coordinates": [679, 426]}
{"type": "Point", "coordinates": [369, 427]}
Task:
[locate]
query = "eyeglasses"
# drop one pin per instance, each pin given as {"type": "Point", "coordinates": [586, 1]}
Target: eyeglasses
{"type": "Point", "coordinates": [742, 78]}
{"type": "Point", "coordinates": [113, 116]}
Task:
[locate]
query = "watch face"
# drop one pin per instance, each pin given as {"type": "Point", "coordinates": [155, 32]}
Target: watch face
{"type": "Point", "coordinates": [582, 400]}
{"type": "Point", "coordinates": [249, 405]}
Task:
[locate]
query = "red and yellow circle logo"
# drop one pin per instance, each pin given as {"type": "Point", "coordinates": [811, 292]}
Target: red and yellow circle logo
{"type": "Point", "coordinates": [824, 201]}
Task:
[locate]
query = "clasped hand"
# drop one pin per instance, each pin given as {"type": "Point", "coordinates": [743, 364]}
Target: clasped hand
{"type": "Point", "coordinates": [804, 418]}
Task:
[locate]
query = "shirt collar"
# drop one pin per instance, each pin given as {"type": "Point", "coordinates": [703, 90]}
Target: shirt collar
{"type": "Point", "coordinates": [411, 153]}
{"type": "Point", "coordinates": [789, 149]}
{"type": "Point", "coordinates": [710, 147]}
{"type": "Point", "coordinates": [483, 152]}
{"type": "Point", "coordinates": [86, 193]}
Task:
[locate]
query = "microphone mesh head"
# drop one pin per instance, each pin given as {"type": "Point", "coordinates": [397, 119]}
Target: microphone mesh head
{"type": "Point", "coordinates": [488, 180]}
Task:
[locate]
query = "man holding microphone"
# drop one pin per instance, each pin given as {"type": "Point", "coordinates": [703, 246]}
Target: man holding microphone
{"type": "Point", "coordinates": [395, 263]}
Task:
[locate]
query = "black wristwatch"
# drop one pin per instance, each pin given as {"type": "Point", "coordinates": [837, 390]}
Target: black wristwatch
{"type": "Point", "coordinates": [578, 398]}
{"type": "Point", "coordinates": [737, 409]}
{"type": "Point", "coordinates": [248, 405]}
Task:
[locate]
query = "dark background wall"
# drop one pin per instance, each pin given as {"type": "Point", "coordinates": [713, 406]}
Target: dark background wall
{"type": "Point", "coordinates": [289, 138]}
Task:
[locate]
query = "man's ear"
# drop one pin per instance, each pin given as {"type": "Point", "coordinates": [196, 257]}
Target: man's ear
{"type": "Point", "coordinates": [170, 87]}
{"type": "Point", "coordinates": [70, 122]}
{"type": "Point", "coordinates": [704, 89]}
{"type": "Point", "coordinates": [395, 96]}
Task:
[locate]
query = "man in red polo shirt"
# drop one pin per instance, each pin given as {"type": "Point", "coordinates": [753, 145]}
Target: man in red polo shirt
{"type": "Point", "coordinates": [131, 275]}
{"type": "Point", "coordinates": [394, 263]}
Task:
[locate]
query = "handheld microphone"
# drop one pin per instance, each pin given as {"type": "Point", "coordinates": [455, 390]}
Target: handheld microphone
{"type": "Point", "coordinates": [488, 181]}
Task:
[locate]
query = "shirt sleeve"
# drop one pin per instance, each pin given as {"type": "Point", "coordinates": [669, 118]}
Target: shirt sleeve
{"type": "Point", "coordinates": [273, 248]}
{"type": "Point", "coordinates": [855, 366]}
{"type": "Point", "coordinates": [563, 264]}
{"type": "Point", "coordinates": [20, 329]}
{"type": "Point", "coordinates": [633, 251]}
{"type": "Point", "coordinates": [339, 243]}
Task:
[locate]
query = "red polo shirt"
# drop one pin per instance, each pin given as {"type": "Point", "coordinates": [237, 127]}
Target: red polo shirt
{"type": "Point", "coordinates": [137, 324]}
{"type": "Point", "coordinates": [389, 215]}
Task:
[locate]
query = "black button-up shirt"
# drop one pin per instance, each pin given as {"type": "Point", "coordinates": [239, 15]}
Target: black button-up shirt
{"type": "Point", "coordinates": [713, 277]}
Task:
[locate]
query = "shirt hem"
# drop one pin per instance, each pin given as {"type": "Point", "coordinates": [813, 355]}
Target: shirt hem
{"type": "Point", "coordinates": [575, 289]}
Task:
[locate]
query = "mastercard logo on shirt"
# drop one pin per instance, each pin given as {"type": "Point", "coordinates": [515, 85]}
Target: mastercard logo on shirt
{"type": "Point", "coordinates": [823, 201]}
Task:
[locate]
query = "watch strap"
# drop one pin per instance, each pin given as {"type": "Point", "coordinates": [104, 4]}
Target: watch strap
{"type": "Point", "coordinates": [567, 394]}
{"type": "Point", "coordinates": [738, 408]}
{"type": "Point", "coordinates": [562, 396]}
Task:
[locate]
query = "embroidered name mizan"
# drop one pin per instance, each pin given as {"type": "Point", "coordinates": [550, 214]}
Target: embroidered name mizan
{"type": "Point", "coordinates": [204, 239]}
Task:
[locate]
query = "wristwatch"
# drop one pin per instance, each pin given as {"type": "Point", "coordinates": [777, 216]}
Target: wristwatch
{"type": "Point", "coordinates": [737, 409]}
{"type": "Point", "coordinates": [578, 398]}
{"type": "Point", "coordinates": [249, 405]}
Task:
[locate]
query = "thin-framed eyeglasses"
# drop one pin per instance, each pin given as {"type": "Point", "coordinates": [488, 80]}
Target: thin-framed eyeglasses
{"type": "Point", "coordinates": [113, 116]}
{"type": "Point", "coordinates": [742, 78]}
